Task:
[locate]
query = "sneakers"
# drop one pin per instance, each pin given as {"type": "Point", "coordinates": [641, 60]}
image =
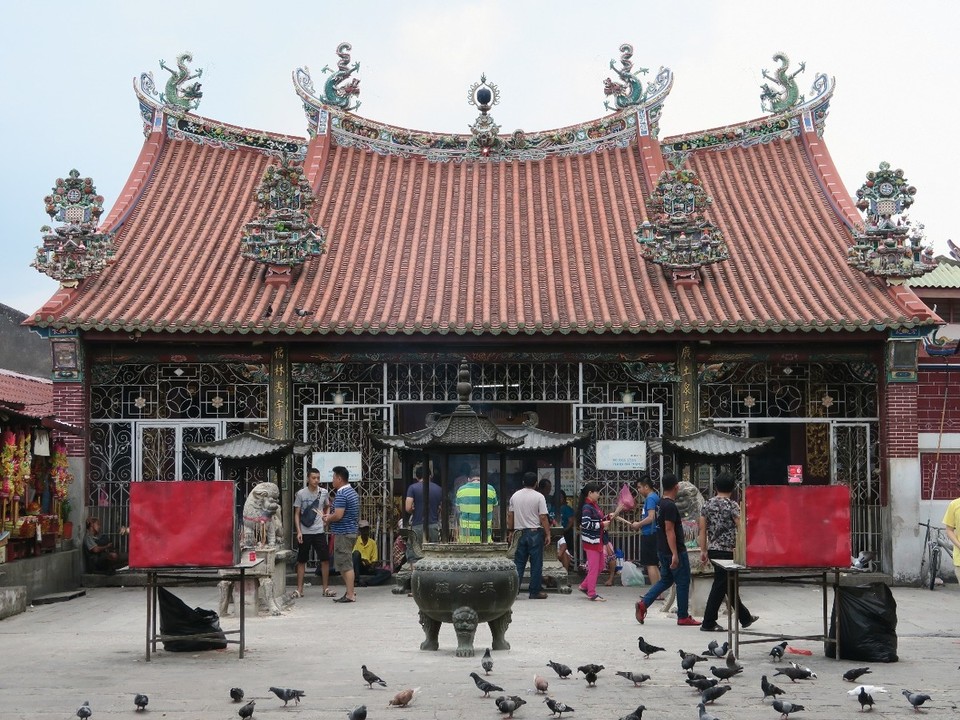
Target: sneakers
{"type": "Point", "coordinates": [640, 611]}
{"type": "Point", "coordinates": [687, 621]}
{"type": "Point", "coordinates": [712, 627]}
{"type": "Point", "coordinates": [751, 621]}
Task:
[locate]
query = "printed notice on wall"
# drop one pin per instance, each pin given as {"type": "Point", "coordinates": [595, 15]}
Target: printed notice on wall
{"type": "Point", "coordinates": [621, 455]}
{"type": "Point", "coordinates": [325, 462]}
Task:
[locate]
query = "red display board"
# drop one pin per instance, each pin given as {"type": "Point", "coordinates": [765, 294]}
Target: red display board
{"type": "Point", "coordinates": [798, 526]}
{"type": "Point", "coordinates": [182, 524]}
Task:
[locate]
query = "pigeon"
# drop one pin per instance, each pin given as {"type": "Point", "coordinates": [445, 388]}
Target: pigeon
{"type": "Point", "coordinates": [714, 693]}
{"type": "Point", "coordinates": [794, 673]}
{"type": "Point", "coordinates": [483, 686]}
{"type": "Point", "coordinates": [84, 710]}
{"type": "Point", "coordinates": [732, 661]}
{"type": "Point", "coordinates": [691, 675]}
{"type": "Point", "coordinates": [268, 311]}
{"type": "Point", "coordinates": [872, 689]}
{"type": "Point", "coordinates": [724, 673]}
{"type": "Point", "coordinates": [776, 652]}
{"type": "Point", "coordinates": [358, 713]}
{"type": "Point", "coordinates": [236, 694]}
{"type": "Point", "coordinates": [404, 697]}
{"type": "Point", "coordinates": [805, 668]}
{"type": "Point", "coordinates": [556, 707]}
{"type": "Point", "coordinates": [636, 714]}
{"type": "Point", "coordinates": [247, 710]}
{"type": "Point", "coordinates": [540, 684]}
{"type": "Point", "coordinates": [635, 678]}
{"type": "Point", "coordinates": [141, 700]}
{"type": "Point", "coordinates": [507, 704]}
{"type": "Point", "coordinates": [688, 660]}
{"type": "Point", "coordinates": [370, 678]}
{"type": "Point", "coordinates": [702, 684]}
{"type": "Point", "coordinates": [865, 699]}
{"type": "Point", "coordinates": [562, 670]}
{"type": "Point", "coordinates": [287, 694]}
{"type": "Point", "coordinates": [590, 672]}
{"type": "Point", "coordinates": [915, 699]}
{"type": "Point", "coordinates": [716, 649]}
{"type": "Point", "coordinates": [785, 708]}
{"type": "Point", "coordinates": [302, 313]}
{"type": "Point", "coordinates": [769, 689]}
{"type": "Point", "coordinates": [646, 648]}
{"type": "Point", "coordinates": [853, 674]}
{"type": "Point", "coordinates": [486, 662]}
{"type": "Point", "coordinates": [704, 715]}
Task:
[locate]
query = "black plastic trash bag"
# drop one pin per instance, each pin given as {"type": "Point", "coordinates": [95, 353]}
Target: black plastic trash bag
{"type": "Point", "coordinates": [868, 623]}
{"type": "Point", "coordinates": [177, 618]}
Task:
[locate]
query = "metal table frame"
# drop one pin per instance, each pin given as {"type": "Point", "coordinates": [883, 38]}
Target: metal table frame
{"type": "Point", "coordinates": [186, 576]}
{"type": "Point", "coordinates": [739, 574]}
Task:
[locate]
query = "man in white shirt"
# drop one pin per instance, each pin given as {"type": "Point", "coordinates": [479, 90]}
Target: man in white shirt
{"type": "Point", "coordinates": [527, 515]}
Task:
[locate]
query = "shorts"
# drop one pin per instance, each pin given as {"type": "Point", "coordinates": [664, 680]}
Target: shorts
{"type": "Point", "coordinates": [343, 552]}
{"type": "Point", "coordinates": [648, 550]}
{"type": "Point", "coordinates": [320, 545]}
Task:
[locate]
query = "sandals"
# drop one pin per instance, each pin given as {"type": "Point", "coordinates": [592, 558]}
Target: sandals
{"type": "Point", "coordinates": [597, 598]}
{"type": "Point", "coordinates": [344, 599]}
{"type": "Point", "coordinates": [297, 594]}
{"type": "Point", "coordinates": [329, 592]}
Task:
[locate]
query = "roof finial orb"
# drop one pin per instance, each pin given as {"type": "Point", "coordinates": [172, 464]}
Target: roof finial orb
{"type": "Point", "coordinates": [464, 387]}
{"type": "Point", "coordinates": [483, 95]}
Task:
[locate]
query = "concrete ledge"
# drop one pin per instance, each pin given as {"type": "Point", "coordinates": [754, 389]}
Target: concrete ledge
{"type": "Point", "coordinates": [13, 600]}
{"type": "Point", "coordinates": [119, 579]}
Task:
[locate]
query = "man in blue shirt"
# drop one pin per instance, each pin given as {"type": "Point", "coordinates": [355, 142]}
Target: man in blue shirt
{"type": "Point", "coordinates": [414, 507]}
{"type": "Point", "coordinates": [342, 522]}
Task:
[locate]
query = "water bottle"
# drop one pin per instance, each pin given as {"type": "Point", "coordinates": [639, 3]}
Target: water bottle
{"type": "Point", "coordinates": [619, 554]}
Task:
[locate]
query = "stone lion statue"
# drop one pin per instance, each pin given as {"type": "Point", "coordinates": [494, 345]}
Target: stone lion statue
{"type": "Point", "coordinates": [262, 517]}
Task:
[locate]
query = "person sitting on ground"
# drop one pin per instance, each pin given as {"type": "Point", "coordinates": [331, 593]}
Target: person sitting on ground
{"type": "Point", "coordinates": [98, 549]}
{"type": "Point", "coordinates": [366, 560]}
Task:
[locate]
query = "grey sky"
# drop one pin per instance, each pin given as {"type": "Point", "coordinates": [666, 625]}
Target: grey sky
{"type": "Point", "coordinates": [69, 102]}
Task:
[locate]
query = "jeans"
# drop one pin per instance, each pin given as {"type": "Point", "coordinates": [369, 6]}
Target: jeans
{"type": "Point", "coordinates": [668, 576]}
{"type": "Point", "coordinates": [718, 591]}
{"type": "Point", "coordinates": [530, 547]}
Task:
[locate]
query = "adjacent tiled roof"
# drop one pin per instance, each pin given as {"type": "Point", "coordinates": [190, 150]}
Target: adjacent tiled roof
{"type": "Point", "coordinates": [27, 396]}
{"type": "Point", "coordinates": [946, 275]}
{"type": "Point", "coordinates": [709, 443]}
{"type": "Point", "coordinates": [248, 446]}
{"type": "Point", "coordinates": [482, 247]}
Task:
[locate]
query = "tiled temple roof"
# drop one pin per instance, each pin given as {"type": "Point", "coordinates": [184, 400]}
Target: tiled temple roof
{"type": "Point", "coordinates": [26, 395]}
{"type": "Point", "coordinates": [534, 246]}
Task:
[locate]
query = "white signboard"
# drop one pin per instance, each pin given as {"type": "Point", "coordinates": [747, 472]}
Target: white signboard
{"type": "Point", "coordinates": [621, 455]}
{"type": "Point", "coordinates": [325, 462]}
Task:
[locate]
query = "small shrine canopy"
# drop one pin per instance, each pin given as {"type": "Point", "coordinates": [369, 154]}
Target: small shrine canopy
{"type": "Point", "coordinates": [29, 400]}
{"type": "Point", "coordinates": [535, 440]}
{"type": "Point", "coordinates": [249, 450]}
{"type": "Point", "coordinates": [707, 445]}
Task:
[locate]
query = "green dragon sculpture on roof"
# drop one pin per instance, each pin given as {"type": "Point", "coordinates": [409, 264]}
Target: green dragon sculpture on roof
{"type": "Point", "coordinates": [339, 87]}
{"type": "Point", "coordinates": [630, 91]}
{"type": "Point", "coordinates": [177, 93]}
{"type": "Point", "coordinates": [777, 100]}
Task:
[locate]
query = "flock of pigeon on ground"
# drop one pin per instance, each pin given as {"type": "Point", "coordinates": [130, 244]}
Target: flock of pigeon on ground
{"type": "Point", "coordinates": [709, 688]}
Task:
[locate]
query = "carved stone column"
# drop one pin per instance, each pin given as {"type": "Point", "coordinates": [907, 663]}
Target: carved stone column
{"type": "Point", "coordinates": [687, 411]}
{"type": "Point", "coordinates": [281, 424]}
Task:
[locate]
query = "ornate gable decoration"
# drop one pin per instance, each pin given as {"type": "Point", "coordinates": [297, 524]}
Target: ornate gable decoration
{"type": "Point", "coordinates": [887, 245]}
{"type": "Point", "coordinates": [681, 238]}
{"type": "Point", "coordinates": [75, 250]}
{"type": "Point", "coordinates": [630, 91]}
{"type": "Point", "coordinates": [283, 236]}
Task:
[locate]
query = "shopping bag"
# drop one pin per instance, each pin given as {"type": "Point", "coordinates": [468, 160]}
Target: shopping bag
{"type": "Point", "coordinates": [625, 500]}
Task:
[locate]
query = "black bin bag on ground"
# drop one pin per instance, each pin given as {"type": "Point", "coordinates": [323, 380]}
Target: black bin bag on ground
{"type": "Point", "coordinates": [868, 623]}
{"type": "Point", "coordinates": [177, 618]}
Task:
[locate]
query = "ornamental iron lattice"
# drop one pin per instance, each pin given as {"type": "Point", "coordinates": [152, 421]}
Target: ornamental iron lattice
{"type": "Point", "coordinates": [795, 390]}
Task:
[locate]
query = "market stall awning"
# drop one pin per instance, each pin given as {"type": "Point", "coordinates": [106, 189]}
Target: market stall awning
{"type": "Point", "coordinates": [707, 445]}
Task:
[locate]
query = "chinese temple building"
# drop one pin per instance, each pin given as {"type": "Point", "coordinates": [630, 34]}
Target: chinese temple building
{"type": "Point", "coordinates": [599, 278]}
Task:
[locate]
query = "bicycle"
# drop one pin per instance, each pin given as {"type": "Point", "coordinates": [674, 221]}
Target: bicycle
{"type": "Point", "coordinates": [933, 548]}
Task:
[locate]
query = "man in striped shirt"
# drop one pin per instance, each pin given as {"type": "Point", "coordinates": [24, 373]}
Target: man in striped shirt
{"type": "Point", "coordinates": [342, 522]}
{"type": "Point", "coordinates": [468, 505]}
